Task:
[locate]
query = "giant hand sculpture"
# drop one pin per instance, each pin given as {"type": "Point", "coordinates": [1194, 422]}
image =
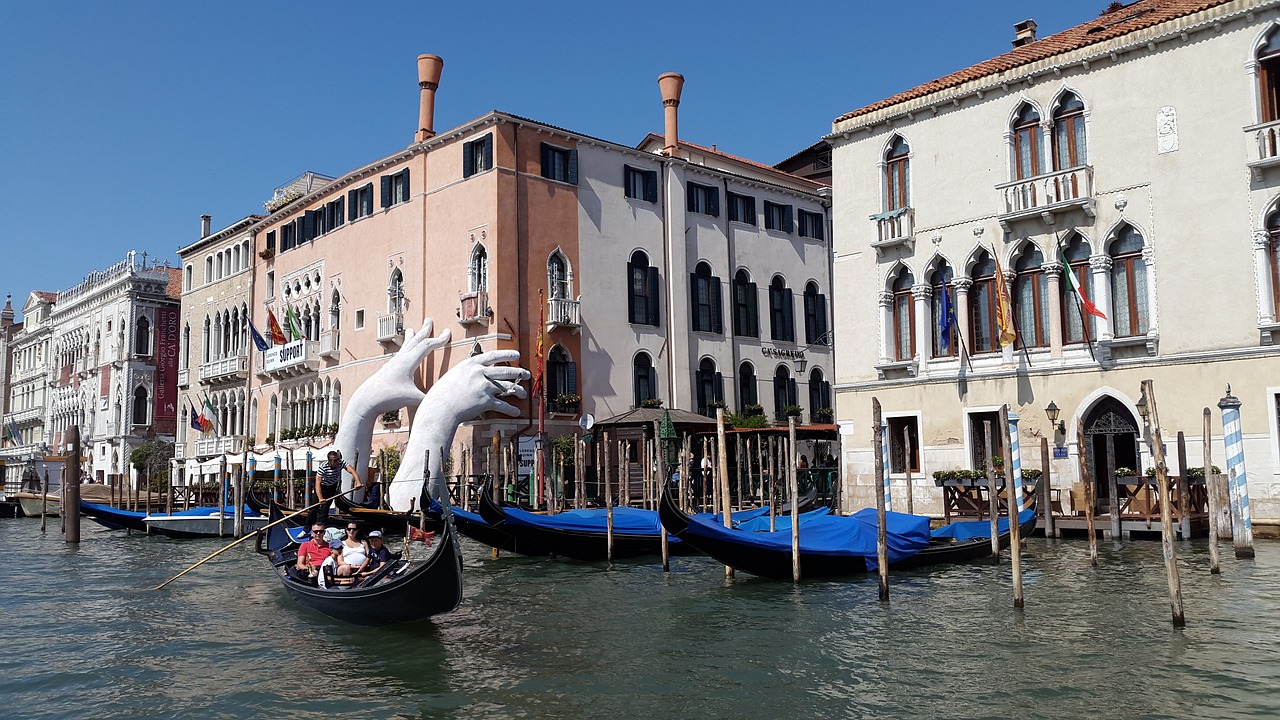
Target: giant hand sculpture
{"type": "Point", "coordinates": [473, 387]}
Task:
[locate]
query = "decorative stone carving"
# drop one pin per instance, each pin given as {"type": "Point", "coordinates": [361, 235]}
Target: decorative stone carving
{"type": "Point", "coordinates": [1166, 130]}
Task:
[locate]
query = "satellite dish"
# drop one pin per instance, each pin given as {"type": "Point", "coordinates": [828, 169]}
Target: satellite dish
{"type": "Point", "coordinates": [587, 422]}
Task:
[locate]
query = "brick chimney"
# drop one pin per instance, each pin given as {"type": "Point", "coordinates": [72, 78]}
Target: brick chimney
{"type": "Point", "coordinates": [670, 84]}
{"type": "Point", "coordinates": [1024, 33]}
{"type": "Point", "coordinates": [205, 225]}
{"type": "Point", "coordinates": [429, 67]}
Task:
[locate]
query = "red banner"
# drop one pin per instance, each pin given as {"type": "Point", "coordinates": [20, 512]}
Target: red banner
{"type": "Point", "coordinates": [106, 383]}
{"type": "Point", "coordinates": [167, 341]}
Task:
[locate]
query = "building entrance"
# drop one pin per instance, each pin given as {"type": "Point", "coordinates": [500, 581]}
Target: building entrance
{"type": "Point", "coordinates": [1110, 419]}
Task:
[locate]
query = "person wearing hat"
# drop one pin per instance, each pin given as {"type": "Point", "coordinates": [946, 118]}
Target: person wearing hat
{"type": "Point", "coordinates": [378, 553]}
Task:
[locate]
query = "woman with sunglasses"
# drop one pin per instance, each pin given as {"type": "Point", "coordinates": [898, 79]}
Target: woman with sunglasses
{"type": "Point", "coordinates": [355, 553]}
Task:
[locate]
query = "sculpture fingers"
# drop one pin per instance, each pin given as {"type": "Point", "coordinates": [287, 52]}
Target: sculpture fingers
{"type": "Point", "coordinates": [493, 404]}
{"type": "Point", "coordinates": [412, 338]}
{"type": "Point", "coordinates": [496, 356]}
{"type": "Point", "coordinates": [506, 372]}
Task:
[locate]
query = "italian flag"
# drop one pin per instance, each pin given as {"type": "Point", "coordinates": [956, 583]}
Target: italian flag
{"type": "Point", "coordinates": [1088, 306]}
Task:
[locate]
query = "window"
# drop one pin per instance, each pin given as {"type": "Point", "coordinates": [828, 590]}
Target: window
{"type": "Point", "coordinates": [781, 311]}
{"type": "Point", "coordinates": [558, 276]}
{"type": "Point", "coordinates": [904, 445]}
{"type": "Point", "coordinates": [1068, 133]}
{"type": "Point", "coordinates": [746, 320]}
{"type": "Point", "coordinates": [395, 188]}
{"type": "Point", "coordinates": [708, 385]}
{"type": "Point", "coordinates": [208, 269]}
{"type": "Point", "coordinates": [904, 316]}
{"type": "Point", "coordinates": [478, 272]}
{"type": "Point", "coordinates": [748, 393]}
{"type": "Point", "coordinates": [186, 278]}
{"type": "Point", "coordinates": [704, 296]}
{"type": "Point", "coordinates": [1272, 265]}
{"type": "Point", "coordinates": [335, 311]}
{"type": "Point", "coordinates": [819, 394]}
{"type": "Point", "coordinates": [640, 184]}
{"type": "Point", "coordinates": [642, 290]}
{"type": "Point", "coordinates": [784, 391]}
{"type": "Point", "coordinates": [395, 292]}
{"type": "Point", "coordinates": [777, 217]}
{"type": "Point", "coordinates": [1075, 329]}
{"type": "Point", "coordinates": [1128, 284]}
{"type": "Point", "coordinates": [815, 315]}
{"type": "Point", "coordinates": [477, 156]}
{"type": "Point", "coordinates": [186, 346]}
{"type": "Point", "coordinates": [360, 202]}
{"type": "Point", "coordinates": [897, 184]}
{"type": "Point", "coordinates": [142, 337]}
{"type": "Point", "coordinates": [140, 406]}
{"type": "Point", "coordinates": [1269, 77]}
{"type": "Point", "coordinates": [562, 375]}
{"type": "Point", "coordinates": [982, 305]}
{"type": "Point", "coordinates": [288, 236]}
{"type": "Point", "coordinates": [703, 199]}
{"type": "Point", "coordinates": [1031, 300]}
{"type": "Point", "coordinates": [333, 215]}
{"type": "Point", "coordinates": [978, 434]}
{"type": "Point", "coordinates": [1026, 143]}
{"type": "Point", "coordinates": [644, 379]}
{"type": "Point", "coordinates": [271, 242]}
{"type": "Point", "coordinates": [944, 312]}
{"type": "Point", "coordinates": [271, 284]}
{"type": "Point", "coordinates": [742, 208]}
{"type": "Point", "coordinates": [811, 225]}
{"type": "Point", "coordinates": [559, 164]}
{"type": "Point", "coordinates": [359, 319]}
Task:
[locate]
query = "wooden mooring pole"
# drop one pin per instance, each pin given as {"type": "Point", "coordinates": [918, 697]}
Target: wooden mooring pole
{"type": "Point", "coordinates": [882, 548]}
{"type": "Point", "coordinates": [608, 501]}
{"type": "Point", "coordinates": [1013, 495]}
{"type": "Point", "coordinates": [793, 488]}
{"type": "Point", "coordinates": [1085, 479]}
{"type": "Point", "coordinates": [993, 495]}
{"type": "Point", "coordinates": [1214, 566]}
{"type": "Point", "coordinates": [1046, 491]}
{"type": "Point", "coordinates": [1166, 509]}
{"type": "Point", "coordinates": [722, 482]}
{"type": "Point", "coordinates": [906, 465]}
{"type": "Point", "coordinates": [71, 488]}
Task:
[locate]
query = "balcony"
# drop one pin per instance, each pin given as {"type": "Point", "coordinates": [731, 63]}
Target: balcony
{"type": "Point", "coordinates": [219, 446]}
{"type": "Point", "coordinates": [391, 328]}
{"type": "Point", "coordinates": [896, 228]}
{"type": "Point", "coordinates": [1044, 196]}
{"type": "Point", "coordinates": [330, 344]}
{"type": "Point", "coordinates": [24, 416]}
{"type": "Point", "coordinates": [473, 308]}
{"type": "Point", "coordinates": [228, 369]}
{"type": "Point", "coordinates": [184, 379]}
{"type": "Point", "coordinates": [1264, 147]}
{"type": "Point", "coordinates": [180, 451]}
{"type": "Point", "coordinates": [28, 373]}
{"type": "Point", "coordinates": [290, 359]}
{"type": "Point", "coordinates": [562, 312]}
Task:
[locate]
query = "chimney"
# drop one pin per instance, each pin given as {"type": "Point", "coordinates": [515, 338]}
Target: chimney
{"type": "Point", "coordinates": [670, 84]}
{"type": "Point", "coordinates": [429, 67]}
{"type": "Point", "coordinates": [1024, 33]}
{"type": "Point", "coordinates": [6, 315]}
{"type": "Point", "coordinates": [205, 221]}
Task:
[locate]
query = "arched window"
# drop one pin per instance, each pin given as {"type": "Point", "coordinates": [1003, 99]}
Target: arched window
{"type": "Point", "coordinates": [904, 316]}
{"type": "Point", "coordinates": [644, 379]}
{"type": "Point", "coordinates": [478, 273]}
{"type": "Point", "coordinates": [1273, 253]}
{"type": "Point", "coordinates": [944, 312]}
{"type": "Point", "coordinates": [395, 292]}
{"type": "Point", "coordinates": [1031, 299]}
{"type": "Point", "coordinates": [1128, 284]}
{"type": "Point", "coordinates": [815, 315]}
{"type": "Point", "coordinates": [746, 313]}
{"type": "Point", "coordinates": [1269, 77]}
{"type": "Point", "coordinates": [642, 290]}
{"type": "Point", "coordinates": [704, 295]}
{"type": "Point", "coordinates": [784, 391]}
{"type": "Point", "coordinates": [140, 406]}
{"type": "Point", "coordinates": [335, 310]}
{"type": "Point", "coordinates": [819, 394]}
{"type": "Point", "coordinates": [781, 311]}
{"type": "Point", "coordinates": [1075, 329]}
{"type": "Point", "coordinates": [558, 276]}
{"type": "Point", "coordinates": [206, 348]}
{"type": "Point", "coordinates": [273, 415]}
{"type": "Point", "coordinates": [1026, 143]}
{"type": "Point", "coordinates": [142, 337]}
{"type": "Point", "coordinates": [315, 320]}
{"type": "Point", "coordinates": [1068, 133]}
{"type": "Point", "coordinates": [982, 305]}
{"type": "Point", "coordinates": [186, 278]}
{"type": "Point", "coordinates": [186, 346]}
{"type": "Point", "coordinates": [897, 175]}
{"type": "Point", "coordinates": [708, 385]}
{"type": "Point", "coordinates": [748, 393]}
{"type": "Point", "coordinates": [562, 375]}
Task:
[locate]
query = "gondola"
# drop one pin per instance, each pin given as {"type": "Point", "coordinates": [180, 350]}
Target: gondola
{"type": "Point", "coordinates": [836, 547]}
{"type": "Point", "coordinates": [473, 526]}
{"type": "Point", "coordinates": [112, 517]}
{"type": "Point", "coordinates": [203, 522]}
{"type": "Point", "coordinates": [400, 591]}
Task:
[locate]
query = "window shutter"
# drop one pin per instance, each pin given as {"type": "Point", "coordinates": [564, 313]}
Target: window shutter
{"type": "Point", "coordinates": [353, 197]}
{"type": "Point", "coordinates": [468, 159]}
{"type": "Point", "coordinates": [338, 211]}
{"type": "Point", "coordinates": [787, 225]}
{"type": "Point", "coordinates": [714, 203]}
{"type": "Point", "coordinates": [693, 300]}
{"type": "Point", "coordinates": [789, 313]}
{"type": "Point", "coordinates": [546, 160]}
{"type": "Point", "coordinates": [631, 293]}
{"type": "Point", "coordinates": [691, 197]}
{"type": "Point", "coordinates": [651, 297]}
{"type": "Point", "coordinates": [572, 175]}
{"type": "Point", "coordinates": [651, 187]}
{"type": "Point", "coordinates": [699, 391]}
{"type": "Point", "coordinates": [826, 394]}
{"type": "Point", "coordinates": [386, 191]}
{"type": "Point", "coordinates": [367, 194]}
{"type": "Point", "coordinates": [822, 317]}
{"type": "Point", "coordinates": [719, 383]}
{"type": "Point", "coordinates": [407, 193]}
{"type": "Point", "coordinates": [753, 311]}
{"type": "Point", "coordinates": [792, 396]}
{"type": "Point", "coordinates": [652, 374]}
{"type": "Point", "coordinates": [488, 152]}
{"type": "Point", "coordinates": [717, 312]}
{"type": "Point", "coordinates": [571, 378]}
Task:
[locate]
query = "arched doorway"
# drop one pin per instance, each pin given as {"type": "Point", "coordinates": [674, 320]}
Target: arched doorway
{"type": "Point", "coordinates": [1110, 418]}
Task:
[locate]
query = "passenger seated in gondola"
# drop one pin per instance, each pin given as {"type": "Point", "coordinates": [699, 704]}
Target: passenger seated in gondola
{"type": "Point", "coordinates": [379, 555]}
{"type": "Point", "coordinates": [314, 551]}
{"type": "Point", "coordinates": [353, 553]}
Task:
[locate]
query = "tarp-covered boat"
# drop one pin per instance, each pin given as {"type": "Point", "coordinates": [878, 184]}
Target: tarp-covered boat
{"type": "Point", "coordinates": [112, 517]}
{"type": "Point", "coordinates": [202, 522]}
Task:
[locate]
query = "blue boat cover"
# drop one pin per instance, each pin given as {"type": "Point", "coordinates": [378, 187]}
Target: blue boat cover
{"type": "Point", "coordinates": [626, 520]}
{"type": "Point", "coordinates": [780, 522]}
{"type": "Point", "coordinates": [230, 511]}
{"type": "Point", "coordinates": [108, 510]}
{"type": "Point", "coordinates": [973, 529]}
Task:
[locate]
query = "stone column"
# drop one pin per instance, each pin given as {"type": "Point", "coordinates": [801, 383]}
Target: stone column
{"type": "Point", "coordinates": [886, 329]}
{"type": "Point", "coordinates": [1100, 279]}
{"type": "Point", "coordinates": [1266, 303]}
{"type": "Point", "coordinates": [1153, 313]}
{"type": "Point", "coordinates": [920, 296]}
{"type": "Point", "coordinates": [1053, 288]}
{"type": "Point", "coordinates": [961, 286]}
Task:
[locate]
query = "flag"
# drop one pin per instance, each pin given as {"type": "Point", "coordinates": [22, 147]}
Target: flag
{"type": "Point", "coordinates": [11, 433]}
{"type": "Point", "coordinates": [209, 416]}
{"type": "Point", "coordinates": [196, 419]}
{"type": "Point", "coordinates": [273, 327]}
{"type": "Point", "coordinates": [1004, 311]}
{"type": "Point", "coordinates": [539, 369]}
{"type": "Point", "coordinates": [291, 319]}
{"type": "Point", "coordinates": [947, 321]}
{"type": "Point", "coordinates": [258, 340]}
{"type": "Point", "coordinates": [1085, 303]}
{"type": "Point", "coordinates": [416, 535]}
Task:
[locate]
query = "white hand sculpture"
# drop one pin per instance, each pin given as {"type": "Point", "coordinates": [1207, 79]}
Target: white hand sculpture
{"type": "Point", "coordinates": [471, 388]}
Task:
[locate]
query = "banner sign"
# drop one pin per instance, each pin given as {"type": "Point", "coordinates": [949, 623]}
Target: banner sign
{"type": "Point", "coordinates": [167, 342]}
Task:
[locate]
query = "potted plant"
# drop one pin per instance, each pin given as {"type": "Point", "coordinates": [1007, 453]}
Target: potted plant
{"type": "Point", "coordinates": [824, 415]}
{"type": "Point", "coordinates": [1124, 472]}
{"type": "Point", "coordinates": [271, 439]}
{"type": "Point", "coordinates": [753, 409]}
{"type": "Point", "coordinates": [792, 410]}
{"type": "Point", "coordinates": [568, 400]}
{"type": "Point", "coordinates": [391, 417]}
{"type": "Point", "coordinates": [651, 403]}
{"type": "Point", "coordinates": [267, 253]}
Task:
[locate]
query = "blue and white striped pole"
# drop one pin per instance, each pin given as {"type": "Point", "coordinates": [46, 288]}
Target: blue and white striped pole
{"type": "Point", "coordinates": [1015, 476]}
{"type": "Point", "coordinates": [1237, 478]}
{"type": "Point", "coordinates": [888, 464]}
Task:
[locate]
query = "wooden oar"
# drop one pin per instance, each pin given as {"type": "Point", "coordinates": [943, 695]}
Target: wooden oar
{"type": "Point", "coordinates": [252, 534]}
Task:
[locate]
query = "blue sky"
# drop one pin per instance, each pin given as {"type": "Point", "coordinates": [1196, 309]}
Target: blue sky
{"type": "Point", "coordinates": [122, 122]}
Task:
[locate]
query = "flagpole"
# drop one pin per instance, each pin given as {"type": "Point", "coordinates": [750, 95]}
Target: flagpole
{"type": "Point", "coordinates": [542, 395]}
{"type": "Point", "coordinates": [1075, 296]}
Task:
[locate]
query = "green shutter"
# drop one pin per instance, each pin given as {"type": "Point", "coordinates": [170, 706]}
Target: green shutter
{"type": "Point", "coordinates": [787, 225]}
{"type": "Point", "coordinates": [714, 204]}
{"type": "Point", "coordinates": [651, 186]}
{"type": "Point", "coordinates": [488, 152]}
{"type": "Point", "coordinates": [753, 311]}
{"type": "Point", "coordinates": [468, 159]}
{"type": "Point", "coordinates": [571, 378]}
{"type": "Point", "coordinates": [651, 297]}
{"type": "Point", "coordinates": [717, 311]}
{"type": "Point", "coordinates": [546, 160]}
{"type": "Point", "coordinates": [353, 202]}
{"type": "Point", "coordinates": [572, 174]}
{"type": "Point", "coordinates": [386, 191]}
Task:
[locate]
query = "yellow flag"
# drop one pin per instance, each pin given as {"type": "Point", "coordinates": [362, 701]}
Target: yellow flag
{"type": "Point", "coordinates": [1004, 309]}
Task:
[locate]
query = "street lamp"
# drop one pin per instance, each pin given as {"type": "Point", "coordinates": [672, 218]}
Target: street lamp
{"type": "Point", "coordinates": [1052, 412]}
{"type": "Point", "coordinates": [1143, 410]}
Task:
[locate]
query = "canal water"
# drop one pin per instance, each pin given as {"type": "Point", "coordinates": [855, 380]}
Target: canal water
{"type": "Point", "coordinates": [84, 636]}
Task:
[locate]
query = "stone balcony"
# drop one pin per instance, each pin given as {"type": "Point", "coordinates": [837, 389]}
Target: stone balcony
{"type": "Point", "coordinates": [24, 416]}
{"type": "Point", "coordinates": [1045, 196]}
{"type": "Point", "coordinates": [895, 228]}
{"type": "Point", "coordinates": [1264, 147]}
{"type": "Point", "coordinates": [562, 312]}
{"type": "Point", "coordinates": [219, 446]}
{"type": "Point", "coordinates": [391, 328]}
{"type": "Point", "coordinates": [473, 308]}
{"type": "Point", "coordinates": [330, 344]}
{"type": "Point", "coordinates": [294, 358]}
{"type": "Point", "coordinates": [184, 378]}
{"type": "Point", "coordinates": [227, 369]}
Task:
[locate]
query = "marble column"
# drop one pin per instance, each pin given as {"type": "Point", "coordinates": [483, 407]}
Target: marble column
{"type": "Point", "coordinates": [886, 328]}
{"type": "Point", "coordinates": [921, 296]}
{"type": "Point", "coordinates": [961, 286]}
{"type": "Point", "coordinates": [1100, 280]}
{"type": "Point", "coordinates": [1053, 288]}
{"type": "Point", "coordinates": [1266, 301]}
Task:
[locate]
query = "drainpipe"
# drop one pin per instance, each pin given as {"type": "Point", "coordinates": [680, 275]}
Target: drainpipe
{"type": "Point", "coordinates": [731, 254]}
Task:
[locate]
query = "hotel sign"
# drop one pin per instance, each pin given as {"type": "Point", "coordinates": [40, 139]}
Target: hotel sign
{"type": "Point", "coordinates": [782, 354]}
{"type": "Point", "coordinates": [285, 356]}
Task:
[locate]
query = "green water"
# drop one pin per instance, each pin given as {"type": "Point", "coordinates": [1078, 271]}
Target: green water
{"type": "Point", "coordinates": [84, 637]}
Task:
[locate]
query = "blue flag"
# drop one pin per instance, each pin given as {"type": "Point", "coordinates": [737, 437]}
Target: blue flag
{"type": "Point", "coordinates": [947, 321]}
{"type": "Point", "coordinates": [258, 340]}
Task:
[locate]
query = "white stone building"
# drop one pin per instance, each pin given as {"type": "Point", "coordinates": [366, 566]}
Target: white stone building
{"type": "Point", "coordinates": [28, 388]}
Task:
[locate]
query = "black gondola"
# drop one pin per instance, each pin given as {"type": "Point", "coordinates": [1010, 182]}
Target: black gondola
{"type": "Point", "coordinates": [114, 518]}
{"type": "Point", "coordinates": [776, 562]}
{"type": "Point", "coordinates": [400, 591]}
{"type": "Point", "coordinates": [473, 526]}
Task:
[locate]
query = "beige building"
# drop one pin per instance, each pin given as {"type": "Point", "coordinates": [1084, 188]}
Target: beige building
{"type": "Point", "coordinates": [1136, 153]}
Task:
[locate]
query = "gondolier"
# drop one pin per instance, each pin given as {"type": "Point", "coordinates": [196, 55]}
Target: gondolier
{"type": "Point", "coordinates": [329, 476]}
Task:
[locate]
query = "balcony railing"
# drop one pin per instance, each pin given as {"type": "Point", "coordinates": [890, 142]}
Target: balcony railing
{"type": "Point", "coordinates": [180, 451]}
{"type": "Point", "coordinates": [473, 308]}
{"type": "Point", "coordinates": [21, 416]}
{"type": "Point", "coordinates": [896, 227]}
{"type": "Point", "coordinates": [562, 312]}
{"type": "Point", "coordinates": [293, 358]}
{"type": "Point", "coordinates": [184, 377]}
{"type": "Point", "coordinates": [1045, 195]}
{"type": "Point", "coordinates": [391, 327]}
{"type": "Point", "coordinates": [28, 373]}
{"type": "Point", "coordinates": [1264, 145]}
{"type": "Point", "coordinates": [219, 445]}
{"type": "Point", "coordinates": [330, 344]}
{"type": "Point", "coordinates": [235, 367]}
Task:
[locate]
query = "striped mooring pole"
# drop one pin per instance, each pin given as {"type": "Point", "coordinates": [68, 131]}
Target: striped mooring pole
{"type": "Point", "coordinates": [1015, 454]}
{"type": "Point", "coordinates": [1237, 479]}
{"type": "Point", "coordinates": [884, 450]}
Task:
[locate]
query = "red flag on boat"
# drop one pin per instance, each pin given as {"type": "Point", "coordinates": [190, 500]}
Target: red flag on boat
{"type": "Point", "coordinates": [416, 535]}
